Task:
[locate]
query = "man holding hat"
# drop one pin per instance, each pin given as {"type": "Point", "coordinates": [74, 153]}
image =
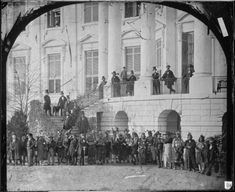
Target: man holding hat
{"type": "Point", "coordinates": [115, 84]}
{"type": "Point", "coordinates": [169, 78]}
{"type": "Point", "coordinates": [156, 81]}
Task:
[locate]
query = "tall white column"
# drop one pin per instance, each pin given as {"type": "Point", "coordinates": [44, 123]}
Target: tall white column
{"type": "Point", "coordinates": [114, 38]}
{"type": "Point", "coordinates": [103, 40]}
{"type": "Point", "coordinates": [201, 82]}
{"type": "Point", "coordinates": [144, 85]}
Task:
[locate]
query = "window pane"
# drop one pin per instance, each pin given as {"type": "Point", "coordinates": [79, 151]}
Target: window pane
{"type": "Point", "coordinates": [88, 54]}
{"type": "Point", "coordinates": [129, 61]}
{"type": "Point", "coordinates": [95, 53]}
{"type": "Point", "coordinates": [88, 66]}
{"type": "Point", "coordinates": [128, 10]}
{"type": "Point", "coordinates": [57, 85]}
{"type": "Point", "coordinates": [95, 82]}
{"type": "Point", "coordinates": [88, 83]}
{"type": "Point", "coordinates": [87, 14]}
{"type": "Point", "coordinates": [95, 66]}
{"type": "Point", "coordinates": [95, 12]}
{"type": "Point", "coordinates": [129, 50]}
{"type": "Point", "coordinates": [137, 63]}
{"type": "Point", "coordinates": [137, 49]}
{"type": "Point", "coordinates": [51, 86]}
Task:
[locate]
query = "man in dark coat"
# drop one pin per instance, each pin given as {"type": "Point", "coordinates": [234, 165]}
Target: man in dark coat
{"type": "Point", "coordinates": [130, 83]}
{"type": "Point", "coordinates": [73, 150]}
{"type": "Point", "coordinates": [30, 148]}
{"type": "Point", "coordinates": [23, 150]}
{"type": "Point", "coordinates": [83, 124]}
{"type": "Point", "coordinates": [60, 148]}
{"type": "Point", "coordinates": [186, 77]}
{"type": "Point", "coordinates": [14, 147]}
{"type": "Point", "coordinates": [91, 148]}
{"type": "Point", "coordinates": [190, 146]}
{"type": "Point", "coordinates": [115, 85]}
{"type": "Point", "coordinates": [47, 103]}
{"type": "Point", "coordinates": [169, 78]}
{"type": "Point", "coordinates": [51, 151]}
{"type": "Point", "coordinates": [156, 81]}
{"type": "Point", "coordinates": [150, 153]}
{"type": "Point", "coordinates": [158, 145]}
{"type": "Point", "coordinates": [61, 103]}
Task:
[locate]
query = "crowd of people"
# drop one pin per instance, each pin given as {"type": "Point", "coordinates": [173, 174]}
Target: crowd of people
{"type": "Point", "coordinates": [99, 148]}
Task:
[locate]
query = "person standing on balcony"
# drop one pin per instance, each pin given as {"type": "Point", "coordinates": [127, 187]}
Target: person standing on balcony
{"type": "Point", "coordinates": [123, 77]}
{"type": "Point", "coordinates": [47, 102]}
{"type": "Point", "coordinates": [101, 88]}
{"type": "Point", "coordinates": [61, 103]}
{"type": "Point", "coordinates": [156, 81]}
{"type": "Point", "coordinates": [130, 84]}
{"type": "Point", "coordinates": [186, 78]}
{"type": "Point", "coordinates": [169, 78]}
{"type": "Point", "coordinates": [115, 84]}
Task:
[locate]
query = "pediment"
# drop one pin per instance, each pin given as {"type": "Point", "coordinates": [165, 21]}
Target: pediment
{"type": "Point", "coordinates": [130, 34]}
{"type": "Point", "coordinates": [54, 43]}
{"type": "Point", "coordinates": [185, 17]}
{"type": "Point", "coordinates": [20, 46]}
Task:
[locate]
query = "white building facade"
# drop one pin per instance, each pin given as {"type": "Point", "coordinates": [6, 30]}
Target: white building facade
{"type": "Point", "coordinates": [72, 47]}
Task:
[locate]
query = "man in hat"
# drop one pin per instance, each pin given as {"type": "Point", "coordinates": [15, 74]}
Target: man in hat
{"type": "Point", "coordinates": [178, 149]}
{"type": "Point", "coordinates": [151, 155]}
{"type": "Point", "coordinates": [156, 81]}
{"type": "Point", "coordinates": [169, 78]}
{"type": "Point", "coordinates": [115, 84]}
{"type": "Point", "coordinates": [68, 106]}
{"type": "Point", "coordinates": [61, 103]}
{"type": "Point", "coordinates": [30, 148]}
{"type": "Point", "coordinates": [158, 146]}
{"type": "Point", "coordinates": [130, 84]}
{"type": "Point", "coordinates": [51, 150]}
{"type": "Point", "coordinates": [190, 146]}
{"type": "Point", "coordinates": [47, 102]}
{"type": "Point", "coordinates": [186, 77]}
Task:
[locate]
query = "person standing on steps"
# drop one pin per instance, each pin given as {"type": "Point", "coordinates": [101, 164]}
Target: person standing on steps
{"type": "Point", "coordinates": [47, 102]}
{"type": "Point", "coordinates": [61, 103]}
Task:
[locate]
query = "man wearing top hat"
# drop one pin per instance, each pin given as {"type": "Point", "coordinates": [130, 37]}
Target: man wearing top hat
{"type": "Point", "coordinates": [169, 78]}
{"type": "Point", "coordinates": [61, 103]}
{"type": "Point", "coordinates": [115, 84]}
{"type": "Point", "coordinates": [47, 102]}
{"type": "Point", "coordinates": [156, 81]}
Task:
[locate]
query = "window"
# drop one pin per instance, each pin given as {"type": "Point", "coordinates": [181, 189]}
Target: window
{"type": "Point", "coordinates": [54, 71]}
{"type": "Point", "coordinates": [53, 18]}
{"type": "Point", "coordinates": [91, 69]}
{"type": "Point", "coordinates": [90, 12]}
{"type": "Point", "coordinates": [132, 9]}
{"type": "Point", "coordinates": [19, 75]}
{"type": "Point", "coordinates": [133, 59]}
{"type": "Point", "coordinates": [187, 51]}
{"type": "Point", "coordinates": [159, 53]}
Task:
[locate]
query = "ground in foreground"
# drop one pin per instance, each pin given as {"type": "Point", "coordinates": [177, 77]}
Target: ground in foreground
{"type": "Point", "coordinates": [107, 178]}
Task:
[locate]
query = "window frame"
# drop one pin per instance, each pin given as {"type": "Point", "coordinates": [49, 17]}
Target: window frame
{"type": "Point", "coordinates": [133, 53]}
{"type": "Point", "coordinates": [56, 78]}
{"type": "Point", "coordinates": [92, 75]}
{"type": "Point", "coordinates": [90, 5]}
{"type": "Point", "coordinates": [48, 16]}
{"type": "Point", "coordinates": [135, 9]}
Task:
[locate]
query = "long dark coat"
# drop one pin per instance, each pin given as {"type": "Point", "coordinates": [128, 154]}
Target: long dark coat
{"type": "Point", "coordinates": [41, 145]}
{"type": "Point", "coordinates": [47, 102]}
{"type": "Point", "coordinates": [169, 77]}
{"type": "Point", "coordinates": [83, 125]}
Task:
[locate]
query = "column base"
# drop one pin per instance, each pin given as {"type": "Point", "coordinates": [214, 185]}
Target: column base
{"type": "Point", "coordinates": [143, 87]}
{"type": "Point", "coordinates": [200, 85]}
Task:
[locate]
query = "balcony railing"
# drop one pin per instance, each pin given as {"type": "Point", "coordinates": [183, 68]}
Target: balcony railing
{"type": "Point", "coordinates": [181, 86]}
{"type": "Point", "coordinates": [122, 89]}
